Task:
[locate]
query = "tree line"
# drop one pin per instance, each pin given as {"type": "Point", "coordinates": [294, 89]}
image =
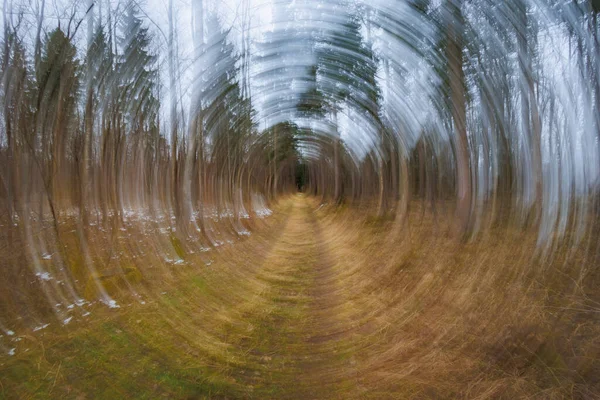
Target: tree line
{"type": "Point", "coordinates": [84, 126]}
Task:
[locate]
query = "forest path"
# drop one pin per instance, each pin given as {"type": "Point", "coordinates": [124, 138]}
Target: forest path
{"type": "Point", "coordinates": [298, 348]}
{"type": "Point", "coordinates": [270, 318]}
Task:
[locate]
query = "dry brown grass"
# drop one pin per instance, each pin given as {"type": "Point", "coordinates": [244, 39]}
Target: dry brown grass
{"type": "Point", "coordinates": [443, 319]}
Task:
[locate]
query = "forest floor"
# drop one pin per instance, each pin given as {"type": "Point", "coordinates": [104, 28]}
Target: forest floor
{"type": "Point", "coordinates": [308, 308]}
{"type": "Point", "coordinates": [280, 337]}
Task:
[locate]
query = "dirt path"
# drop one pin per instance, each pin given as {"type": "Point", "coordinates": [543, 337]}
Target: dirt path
{"type": "Point", "coordinates": [297, 349]}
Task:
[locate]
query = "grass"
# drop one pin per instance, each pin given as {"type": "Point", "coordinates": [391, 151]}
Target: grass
{"type": "Point", "coordinates": [322, 304]}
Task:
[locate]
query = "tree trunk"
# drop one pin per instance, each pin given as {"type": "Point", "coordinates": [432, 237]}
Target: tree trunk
{"type": "Point", "coordinates": [530, 113]}
{"type": "Point", "coordinates": [458, 111]}
{"type": "Point", "coordinates": [336, 161]}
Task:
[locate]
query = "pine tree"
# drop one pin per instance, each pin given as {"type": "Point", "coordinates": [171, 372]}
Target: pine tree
{"type": "Point", "coordinates": [58, 89]}
{"type": "Point", "coordinates": [345, 75]}
{"type": "Point", "coordinates": [136, 69]}
{"type": "Point", "coordinates": [228, 117]}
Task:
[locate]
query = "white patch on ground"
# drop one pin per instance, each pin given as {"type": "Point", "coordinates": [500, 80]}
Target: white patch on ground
{"type": "Point", "coordinates": [259, 205]}
{"type": "Point", "coordinates": [39, 328]}
{"type": "Point", "coordinates": [111, 303]}
{"type": "Point", "coordinates": [45, 276]}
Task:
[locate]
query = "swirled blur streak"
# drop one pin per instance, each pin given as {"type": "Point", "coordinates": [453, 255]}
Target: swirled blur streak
{"type": "Point", "coordinates": [383, 199]}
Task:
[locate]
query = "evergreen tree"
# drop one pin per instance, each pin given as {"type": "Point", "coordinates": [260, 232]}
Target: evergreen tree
{"type": "Point", "coordinates": [136, 70]}
{"type": "Point", "coordinates": [58, 89]}
{"type": "Point", "coordinates": [228, 117]}
{"type": "Point", "coordinates": [344, 75]}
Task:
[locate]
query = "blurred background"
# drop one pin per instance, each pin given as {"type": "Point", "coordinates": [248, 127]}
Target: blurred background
{"type": "Point", "coordinates": [299, 199]}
